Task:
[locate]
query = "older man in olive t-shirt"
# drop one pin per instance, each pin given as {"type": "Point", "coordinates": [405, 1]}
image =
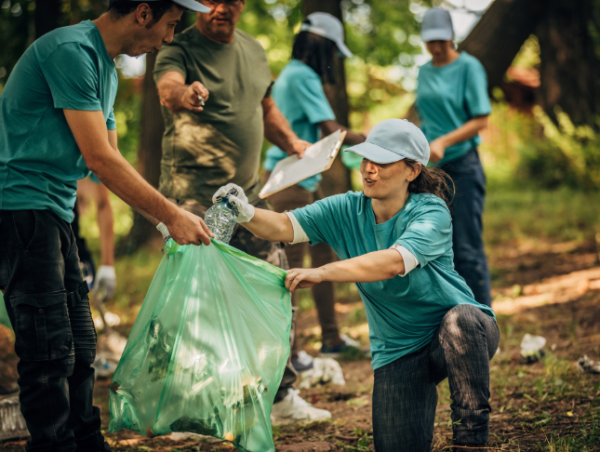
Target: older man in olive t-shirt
{"type": "Point", "coordinates": [214, 83]}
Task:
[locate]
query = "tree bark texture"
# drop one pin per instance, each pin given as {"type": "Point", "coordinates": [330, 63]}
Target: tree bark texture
{"type": "Point", "coordinates": [499, 35]}
{"type": "Point", "coordinates": [570, 60]}
{"type": "Point", "coordinates": [337, 178]}
{"type": "Point", "coordinates": [148, 157]}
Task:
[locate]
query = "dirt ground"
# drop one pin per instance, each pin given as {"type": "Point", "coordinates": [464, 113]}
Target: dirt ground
{"type": "Point", "coordinates": [553, 291]}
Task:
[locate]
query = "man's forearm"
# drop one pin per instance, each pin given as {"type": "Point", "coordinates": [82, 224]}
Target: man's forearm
{"type": "Point", "coordinates": [371, 267]}
{"type": "Point", "coordinates": [171, 94]}
{"type": "Point", "coordinates": [277, 129]}
{"type": "Point", "coordinates": [124, 181]}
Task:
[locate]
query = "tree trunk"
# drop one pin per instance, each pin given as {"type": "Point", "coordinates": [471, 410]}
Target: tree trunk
{"type": "Point", "coordinates": [499, 35]}
{"type": "Point", "coordinates": [337, 179]}
{"type": "Point", "coordinates": [570, 63]}
{"type": "Point", "coordinates": [148, 157]}
{"type": "Point", "coordinates": [47, 14]}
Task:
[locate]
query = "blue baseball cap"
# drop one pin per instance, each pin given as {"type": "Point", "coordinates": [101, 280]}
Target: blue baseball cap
{"type": "Point", "coordinates": [190, 5]}
{"type": "Point", "coordinates": [393, 140]}
{"type": "Point", "coordinates": [437, 26]}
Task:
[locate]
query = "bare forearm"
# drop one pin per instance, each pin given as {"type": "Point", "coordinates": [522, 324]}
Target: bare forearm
{"type": "Point", "coordinates": [171, 94]}
{"type": "Point", "coordinates": [371, 267]}
{"type": "Point", "coordinates": [125, 182]}
{"type": "Point", "coordinates": [277, 129]}
{"type": "Point", "coordinates": [465, 132]}
{"type": "Point", "coordinates": [272, 226]}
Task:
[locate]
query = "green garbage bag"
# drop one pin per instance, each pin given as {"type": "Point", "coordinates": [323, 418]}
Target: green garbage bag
{"type": "Point", "coordinates": [208, 349]}
{"type": "Point", "coordinates": [4, 320]}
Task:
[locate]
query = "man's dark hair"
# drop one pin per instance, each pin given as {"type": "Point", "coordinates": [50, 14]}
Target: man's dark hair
{"type": "Point", "coordinates": [317, 52]}
{"type": "Point", "coordinates": [120, 8]}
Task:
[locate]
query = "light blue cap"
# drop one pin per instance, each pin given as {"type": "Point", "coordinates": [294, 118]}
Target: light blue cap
{"type": "Point", "coordinates": [190, 5]}
{"type": "Point", "coordinates": [393, 140]}
{"type": "Point", "coordinates": [437, 26]}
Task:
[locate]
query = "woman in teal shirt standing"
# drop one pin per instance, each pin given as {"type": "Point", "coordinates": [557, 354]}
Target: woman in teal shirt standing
{"type": "Point", "coordinates": [298, 93]}
{"type": "Point", "coordinates": [453, 106]}
{"type": "Point", "coordinates": [394, 240]}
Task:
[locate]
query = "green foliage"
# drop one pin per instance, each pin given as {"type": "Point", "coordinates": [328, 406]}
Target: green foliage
{"type": "Point", "coordinates": [530, 150]}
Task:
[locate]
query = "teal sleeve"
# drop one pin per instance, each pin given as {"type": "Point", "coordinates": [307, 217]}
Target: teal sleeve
{"type": "Point", "coordinates": [320, 219]}
{"type": "Point", "coordinates": [111, 122]}
{"type": "Point", "coordinates": [94, 179]}
{"type": "Point", "coordinates": [169, 59]}
{"type": "Point", "coordinates": [428, 234]}
{"type": "Point", "coordinates": [312, 100]}
{"type": "Point", "coordinates": [72, 77]}
{"type": "Point", "coordinates": [476, 93]}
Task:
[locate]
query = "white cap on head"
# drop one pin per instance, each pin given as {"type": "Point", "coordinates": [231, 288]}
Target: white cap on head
{"type": "Point", "coordinates": [393, 140]}
{"type": "Point", "coordinates": [328, 26]}
{"type": "Point", "coordinates": [437, 26]}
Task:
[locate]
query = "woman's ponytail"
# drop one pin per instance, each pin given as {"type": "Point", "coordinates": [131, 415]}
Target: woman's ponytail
{"type": "Point", "coordinates": [432, 180]}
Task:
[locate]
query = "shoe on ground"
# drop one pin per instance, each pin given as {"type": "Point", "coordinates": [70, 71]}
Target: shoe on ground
{"type": "Point", "coordinates": [294, 409]}
{"type": "Point", "coordinates": [303, 362]}
{"type": "Point", "coordinates": [348, 348]}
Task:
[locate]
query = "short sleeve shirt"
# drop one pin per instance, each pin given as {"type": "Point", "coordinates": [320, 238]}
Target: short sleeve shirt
{"type": "Point", "coordinates": [206, 150]}
{"type": "Point", "coordinates": [298, 93]}
{"type": "Point", "coordinates": [403, 312]}
{"type": "Point", "coordinates": [40, 162]}
{"type": "Point", "coordinates": [448, 97]}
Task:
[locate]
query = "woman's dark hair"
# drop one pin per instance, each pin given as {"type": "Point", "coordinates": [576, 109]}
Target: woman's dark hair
{"type": "Point", "coordinates": [317, 52]}
{"type": "Point", "coordinates": [432, 180]}
{"type": "Point", "coordinates": [120, 8]}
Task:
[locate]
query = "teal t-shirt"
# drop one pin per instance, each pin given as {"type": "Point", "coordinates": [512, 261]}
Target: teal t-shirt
{"type": "Point", "coordinates": [403, 312]}
{"type": "Point", "coordinates": [298, 93]}
{"type": "Point", "coordinates": [448, 97]}
{"type": "Point", "coordinates": [40, 162]}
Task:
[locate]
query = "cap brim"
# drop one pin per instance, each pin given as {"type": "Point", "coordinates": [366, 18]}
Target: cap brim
{"type": "Point", "coordinates": [437, 34]}
{"type": "Point", "coordinates": [193, 6]}
{"type": "Point", "coordinates": [345, 50]}
{"type": "Point", "coordinates": [375, 153]}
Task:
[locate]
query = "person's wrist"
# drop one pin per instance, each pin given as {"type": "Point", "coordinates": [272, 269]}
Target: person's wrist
{"type": "Point", "coordinates": [323, 273]}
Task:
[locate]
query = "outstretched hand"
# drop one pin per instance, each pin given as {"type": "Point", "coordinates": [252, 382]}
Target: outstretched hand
{"type": "Point", "coordinates": [303, 278]}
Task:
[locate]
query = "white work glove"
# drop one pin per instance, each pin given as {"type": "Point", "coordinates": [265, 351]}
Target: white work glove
{"type": "Point", "coordinates": [238, 199]}
{"type": "Point", "coordinates": [106, 282]}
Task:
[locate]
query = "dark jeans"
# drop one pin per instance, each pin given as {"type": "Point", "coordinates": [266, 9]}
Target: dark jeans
{"type": "Point", "coordinates": [467, 224]}
{"type": "Point", "coordinates": [48, 307]}
{"type": "Point", "coordinates": [405, 395]}
{"type": "Point", "coordinates": [321, 254]}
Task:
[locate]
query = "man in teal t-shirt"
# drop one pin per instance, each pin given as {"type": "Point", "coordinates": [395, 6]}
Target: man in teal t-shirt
{"type": "Point", "coordinates": [57, 124]}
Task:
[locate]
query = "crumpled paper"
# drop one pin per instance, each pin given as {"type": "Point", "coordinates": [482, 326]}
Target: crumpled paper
{"type": "Point", "coordinates": [325, 370]}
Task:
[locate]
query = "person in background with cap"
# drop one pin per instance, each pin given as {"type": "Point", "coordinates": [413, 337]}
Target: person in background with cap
{"type": "Point", "coordinates": [453, 106]}
{"type": "Point", "coordinates": [57, 124]}
{"type": "Point", "coordinates": [214, 82]}
{"type": "Point", "coordinates": [298, 93]}
{"type": "Point", "coordinates": [394, 240]}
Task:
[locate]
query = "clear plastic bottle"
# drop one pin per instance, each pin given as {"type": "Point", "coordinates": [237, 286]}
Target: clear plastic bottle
{"type": "Point", "coordinates": [220, 219]}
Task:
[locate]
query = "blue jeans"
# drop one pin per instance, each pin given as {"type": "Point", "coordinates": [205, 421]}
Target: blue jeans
{"type": "Point", "coordinates": [55, 339]}
{"type": "Point", "coordinates": [467, 224]}
{"type": "Point", "coordinates": [405, 395]}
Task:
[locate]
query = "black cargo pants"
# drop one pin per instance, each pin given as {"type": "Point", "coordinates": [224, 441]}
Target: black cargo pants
{"type": "Point", "coordinates": [49, 309]}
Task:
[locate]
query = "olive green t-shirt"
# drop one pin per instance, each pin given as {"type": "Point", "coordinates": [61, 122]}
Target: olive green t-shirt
{"type": "Point", "coordinates": [221, 144]}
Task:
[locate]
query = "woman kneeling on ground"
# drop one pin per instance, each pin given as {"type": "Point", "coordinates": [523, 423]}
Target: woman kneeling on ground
{"type": "Point", "coordinates": [394, 240]}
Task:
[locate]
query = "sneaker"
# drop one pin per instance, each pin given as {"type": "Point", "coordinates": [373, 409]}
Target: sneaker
{"type": "Point", "coordinates": [293, 409]}
{"type": "Point", "coordinates": [349, 348]}
{"type": "Point", "coordinates": [303, 362]}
